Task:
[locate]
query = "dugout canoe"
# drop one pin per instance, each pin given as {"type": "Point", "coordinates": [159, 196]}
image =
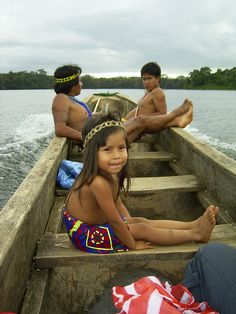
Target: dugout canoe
{"type": "Point", "coordinates": [175, 176]}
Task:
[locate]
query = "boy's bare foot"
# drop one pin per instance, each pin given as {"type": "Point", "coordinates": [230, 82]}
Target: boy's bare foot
{"type": "Point", "coordinates": [186, 118]}
{"type": "Point", "coordinates": [182, 109]}
{"type": "Point", "coordinates": [205, 224]}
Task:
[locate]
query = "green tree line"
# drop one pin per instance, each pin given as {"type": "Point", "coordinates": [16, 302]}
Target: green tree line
{"type": "Point", "coordinates": [197, 79]}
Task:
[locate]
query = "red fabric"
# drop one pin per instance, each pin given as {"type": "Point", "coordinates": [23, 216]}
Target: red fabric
{"type": "Point", "coordinates": [150, 296]}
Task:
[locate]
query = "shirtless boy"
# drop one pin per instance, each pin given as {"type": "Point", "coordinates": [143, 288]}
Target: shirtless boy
{"type": "Point", "coordinates": [70, 115]}
{"type": "Point", "coordinates": [153, 102]}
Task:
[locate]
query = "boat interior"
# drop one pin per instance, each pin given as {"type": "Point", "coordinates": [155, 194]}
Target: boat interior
{"type": "Point", "coordinates": [167, 183]}
{"type": "Point", "coordinates": [174, 176]}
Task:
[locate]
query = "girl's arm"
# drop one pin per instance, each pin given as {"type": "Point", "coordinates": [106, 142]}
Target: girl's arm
{"type": "Point", "coordinates": [102, 192]}
{"type": "Point", "coordinates": [123, 211]}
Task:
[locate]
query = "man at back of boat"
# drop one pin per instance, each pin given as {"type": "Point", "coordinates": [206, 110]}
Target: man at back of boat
{"type": "Point", "coordinates": [70, 114]}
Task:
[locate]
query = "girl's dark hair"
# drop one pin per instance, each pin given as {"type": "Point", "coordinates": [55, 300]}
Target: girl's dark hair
{"type": "Point", "coordinates": [90, 154]}
{"type": "Point", "coordinates": [151, 68]}
{"type": "Point", "coordinates": [65, 71]}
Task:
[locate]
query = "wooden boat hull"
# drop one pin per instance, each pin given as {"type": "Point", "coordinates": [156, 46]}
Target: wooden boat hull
{"type": "Point", "coordinates": [104, 102]}
{"type": "Point", "coordinates": [176, 177]}
{"type": "Point", "coordinates": [23, 222]}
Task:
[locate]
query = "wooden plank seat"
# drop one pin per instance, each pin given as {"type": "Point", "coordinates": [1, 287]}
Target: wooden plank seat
{"type": "Point", "coordinates": [185, 183]}
{"type": "Point", "coordinates": [142, 156]}
{"type": "Point", "coordinates": [57, 250]}
{"type": "Point", "coordinates": [142, 185]}
{"type": "Point", "coordinates": [147, 156]}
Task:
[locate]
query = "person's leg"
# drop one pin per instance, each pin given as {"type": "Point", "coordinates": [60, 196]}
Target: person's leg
{"type": "Point", "coordinates": [134, 129]}
{"type": "Point", "coordinates": [183, 120]}
{"type": "Point", "coordinates": [173, 224]}
{"type": "Point", "coordinates": [131, 114]}
{"type": "Point", "coordinates": [201, 231]}
{"type": "Point", "coordinates": [211, 276]}
{"type": "Point", "coordinates": [179, 117]}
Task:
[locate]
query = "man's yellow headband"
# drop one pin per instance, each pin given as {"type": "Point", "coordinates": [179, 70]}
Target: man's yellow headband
{"type": "Point", "coordinates": [67, 79]}
{"type": "Point", "coordinates": [101, 126]}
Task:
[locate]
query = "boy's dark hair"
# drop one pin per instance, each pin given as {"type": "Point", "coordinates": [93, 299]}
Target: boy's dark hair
{"type": "Point", "coordinates": [90, 155]}
{"type": "Point", "coordinates": [65, 71]}
{"type": "Point", "coordinates": [151, 68]}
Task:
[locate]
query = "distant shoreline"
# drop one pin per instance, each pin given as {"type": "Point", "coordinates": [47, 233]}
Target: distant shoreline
{"type": "Point", "coordinates": [141, 88]}
{"type": "Point", "coordinates": [202, 79]}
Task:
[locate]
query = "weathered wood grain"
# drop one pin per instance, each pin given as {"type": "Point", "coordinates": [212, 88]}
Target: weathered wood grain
{"type": "Point", "coordinates": [142, 185]}
{"type": "Point", "coordinates": [57, 250]}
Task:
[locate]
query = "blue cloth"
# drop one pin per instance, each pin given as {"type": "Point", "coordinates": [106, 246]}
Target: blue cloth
{"type": "Point", "coordinates": [90, 114]}
{"type": "Point", "coordinates": [211, 276]}
{"type": "Point", "coordinates": [68, 172]}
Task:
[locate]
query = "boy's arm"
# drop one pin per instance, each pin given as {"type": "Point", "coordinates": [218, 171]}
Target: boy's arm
{"type": "Point", "coordinates": [102, 191]}
{"type": "Point", "coordinates": [159, 101]}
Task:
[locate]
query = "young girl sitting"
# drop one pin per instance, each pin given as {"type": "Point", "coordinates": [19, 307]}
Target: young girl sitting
{"type": "Point", "coordinates": [96, 219]}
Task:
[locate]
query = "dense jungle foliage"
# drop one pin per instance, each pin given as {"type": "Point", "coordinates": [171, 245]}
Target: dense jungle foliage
{"type": "Point", "coordinates": [197, 79]}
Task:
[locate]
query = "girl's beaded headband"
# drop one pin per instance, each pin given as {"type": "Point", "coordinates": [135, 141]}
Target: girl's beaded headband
{"type": "Point", "coordinates": [67, 79]}
{"type": "Point", "coordinates": [101, 126]}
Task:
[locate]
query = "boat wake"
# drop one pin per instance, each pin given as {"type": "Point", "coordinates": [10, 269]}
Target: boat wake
{"type": "Point", "coordinates": [20, 151]}
{"type": "Point", "coordinates": [227, 148]}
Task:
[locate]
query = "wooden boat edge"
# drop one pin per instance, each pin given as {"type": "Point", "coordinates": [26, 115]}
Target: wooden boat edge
{"type": "Point", "coordinates": [215, 171]}
{"type": "Point", "coordinates": [23, 221]}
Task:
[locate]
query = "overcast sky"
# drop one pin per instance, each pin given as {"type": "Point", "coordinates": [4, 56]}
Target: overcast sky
{"type": "Point", "coordinates": [116, 37]}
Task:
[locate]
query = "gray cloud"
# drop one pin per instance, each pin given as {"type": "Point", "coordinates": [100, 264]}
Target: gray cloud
{"type": "Point", "coordinates": [108, 36]}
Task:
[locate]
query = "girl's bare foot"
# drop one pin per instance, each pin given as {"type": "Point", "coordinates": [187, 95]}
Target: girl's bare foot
{"type": "Point", "coordinates": [215, 209]}
{"type": "Point", "coordinates": [204, 225]}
